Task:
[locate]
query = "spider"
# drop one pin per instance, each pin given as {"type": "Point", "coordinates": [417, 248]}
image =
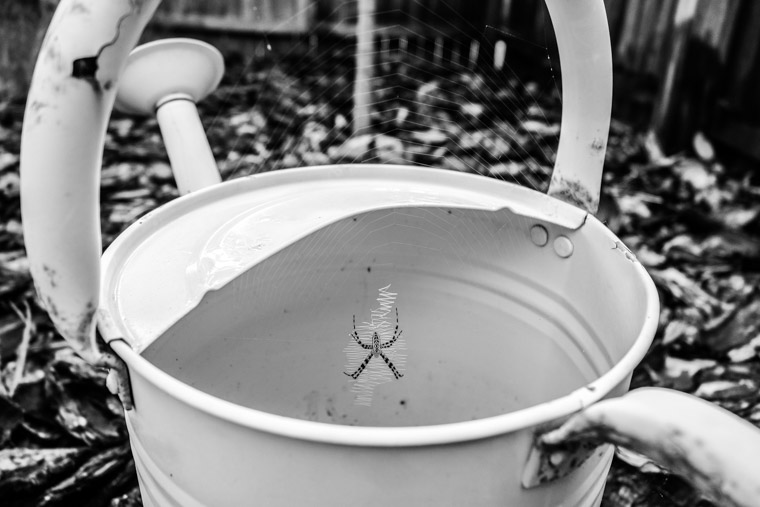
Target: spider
{"type": "Point", "coordinates": [376, 350]}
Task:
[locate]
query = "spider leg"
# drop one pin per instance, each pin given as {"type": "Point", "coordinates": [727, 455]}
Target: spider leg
{"type": "Point", "coordinates": [360, 369]}
{"type": "Point", "coordinates": [396, 373]}
{"type": "Point", "coordinates": [391, 341]}
{"type": "Point", "coordinates": [396, 335]}
{"type": "Point", "coordinates": [355, 336]}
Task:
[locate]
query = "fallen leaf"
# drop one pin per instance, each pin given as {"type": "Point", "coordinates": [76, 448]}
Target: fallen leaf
{"type": "Point", "coordinates": [695, 174]}
{"type": "Point", "coordinates": [677, 330]}
{"type": "Point", "coordinates": [160, 171]}
{"type": "Point", "coordinates": [745, 352]}
{"type": "Point", "coordinates": [675, 366]}
{"type": "Point", "coordinates": [727, 390]}
{"type": "Point", "coordinates": [10, 184]}
{"type": "Point", "coordinates": [91, 475]}
{"type": "Point", "coordinates": [540, 128]}
{"type": "Point", "coordinates": [455, 163]}
{"type": "Point", "coordinates": [11, 415]}
{"type": "Point", "coordinates": [634, 204]}
{"type": "Point", "coordinates": [315, 134]}
{"type": "Point", "coordinates": [24, 470]}
{"type": "Point", "coordinates": [389, 150]}
{"type": "Point", "coordinates": [738, 218]}
{"type": "Point", "coordinates": [511, 169]}
{"type": "Point", "coordinates": [430, 136]}
{"type": "Point", "coordinates": [703, 147]}
{"type": "Point", "coordinates": [472, 109]}
{"type": "Point", "coordinates": [353, 150]}
{"type": "Point", "coordinates": [736, 330]}
{"type": "Point", "coordinates": [8, 160]}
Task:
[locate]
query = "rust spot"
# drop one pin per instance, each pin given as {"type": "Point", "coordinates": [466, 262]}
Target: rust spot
{"type": "Point", "coordinates": [597, 145]}
{"type": "Point", "coordinates": [35, 109]}
{"type": "Point", "coordinates": [50, 306]}
{"type": "Point", "coordinates": [85, 68]}
{"type": "Point", "coordinates": [85, 321]}
{"type": "Point", "coordinates": [79, 8]}
{"type": "Point", "coordinates": [52, 53]}
{"type": "Point", "coordinates": [51, 274]}
{"type": "Point", "coordinates": [573, 192]}
{"type": "Point", "coordinates": [557, 461]}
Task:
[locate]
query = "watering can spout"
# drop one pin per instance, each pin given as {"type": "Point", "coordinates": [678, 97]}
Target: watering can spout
{"type": "Point", "coordinates": [167, 78]}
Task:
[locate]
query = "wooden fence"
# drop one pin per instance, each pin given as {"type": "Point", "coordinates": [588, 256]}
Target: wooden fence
{"type": "Point", "coordinates": [245, 16]}
{"type": "Point", "coordinates": [700, 56]}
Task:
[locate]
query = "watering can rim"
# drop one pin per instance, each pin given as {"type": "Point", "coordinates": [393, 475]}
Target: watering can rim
{"type": "Point", "coordinates": [370, 436]}
{"type": "Point", "coordinates": [533, 416]}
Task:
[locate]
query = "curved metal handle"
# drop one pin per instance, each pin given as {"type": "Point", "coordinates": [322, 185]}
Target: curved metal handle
{"type": "Point", "coordinates": [585, 54]}
{"type": "Point", "coordinates": [72, 94]}
{"type": "Point", "coordinates": [716, 450]}
{"type": "Point", "coordinates": [68, 106]}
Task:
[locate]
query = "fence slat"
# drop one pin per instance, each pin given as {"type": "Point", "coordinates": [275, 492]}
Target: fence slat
{"type": "Point", "coordinates": [660, 38]}
{"type": "Point", "coordinates": [628, 33]}
{"type": "Point", "coordinates": [744, 61]}
{"type": "Point", "coordinates": [615, 15]}
{"type": "Point", "coordinates": [364, 68]}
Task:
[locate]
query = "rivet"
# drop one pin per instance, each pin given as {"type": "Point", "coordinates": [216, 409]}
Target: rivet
{"type": "Point", "coordinates": [556, 458]}
{"type": "Point", "coordinates": [563, 246]}
{"type": "Point", "coordinates": [539, 235]}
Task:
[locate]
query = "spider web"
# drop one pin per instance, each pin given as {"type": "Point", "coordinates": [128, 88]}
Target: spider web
{"type": "Point", "coordinates": [377, 372]}
{"type": "Point", "coordinates": [477, 99]}
{"type": "Point", "coordinates": [468, 98]}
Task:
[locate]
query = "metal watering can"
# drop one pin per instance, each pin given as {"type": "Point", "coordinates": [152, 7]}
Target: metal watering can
{"type": "Point", "coordinates": [368, 335]}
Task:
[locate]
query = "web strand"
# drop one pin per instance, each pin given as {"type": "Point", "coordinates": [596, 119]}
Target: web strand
{"type": "Point", "coordinates": [436, 100]}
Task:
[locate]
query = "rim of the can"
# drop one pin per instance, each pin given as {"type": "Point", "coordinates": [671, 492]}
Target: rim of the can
{"type": "Point", "coordinates": [395, 436]}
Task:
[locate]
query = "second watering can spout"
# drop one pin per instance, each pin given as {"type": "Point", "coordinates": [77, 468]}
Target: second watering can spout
{"type": "Point", "coordinates": [167, 78]}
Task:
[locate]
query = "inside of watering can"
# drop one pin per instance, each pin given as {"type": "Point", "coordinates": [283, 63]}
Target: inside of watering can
{"type": "Point", "coordinates": [404, 316]}
{"type": "Point", "coordinates": [412, 316]}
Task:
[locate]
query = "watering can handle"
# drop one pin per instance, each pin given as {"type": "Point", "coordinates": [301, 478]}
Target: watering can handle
{"type": "Point", "coordinates": [585, 55]}
{"type": "Point", "coordinates": [714, 449]}
{"type": "Point", "coordinates": [72, 93]}
{"type": "Point", "coordinates": [69, 102]}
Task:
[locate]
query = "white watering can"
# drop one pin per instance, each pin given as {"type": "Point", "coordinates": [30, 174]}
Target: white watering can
{"type": "Point", "coordinates": [364, 335]}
